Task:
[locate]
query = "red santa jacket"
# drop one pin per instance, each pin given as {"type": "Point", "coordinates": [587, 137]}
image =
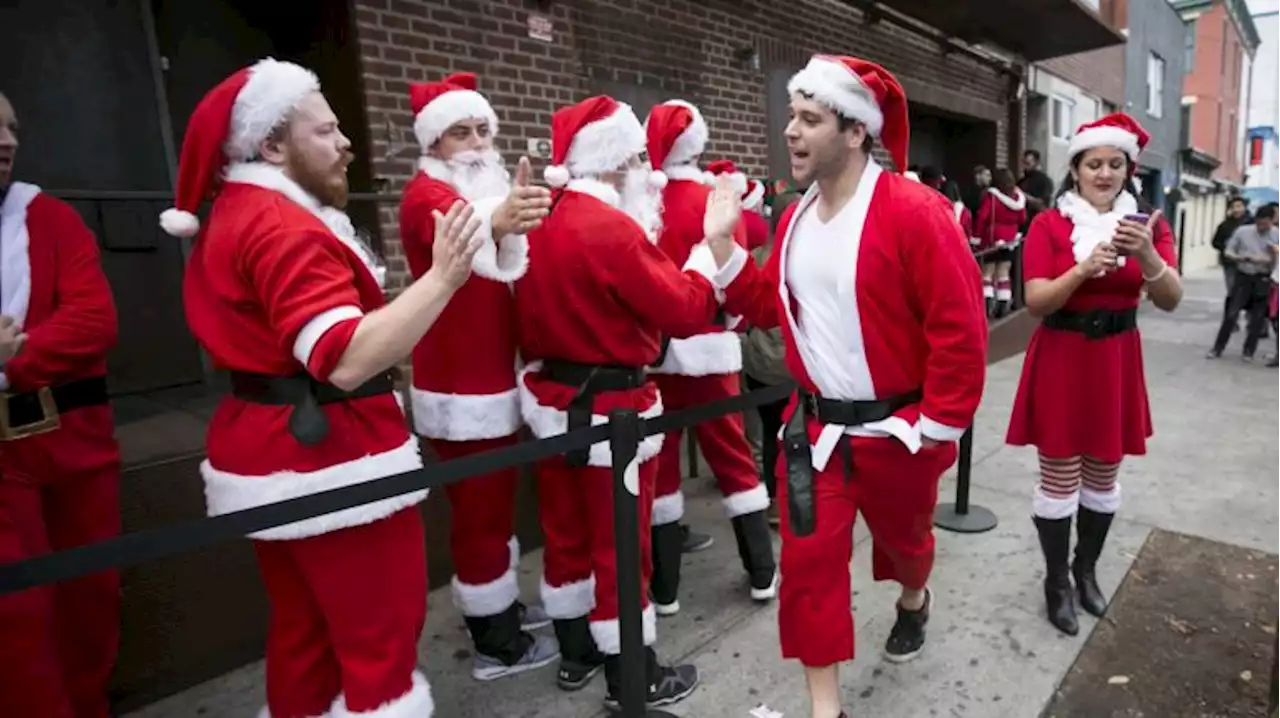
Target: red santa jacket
{"type": "Point", "coordinates": [464, 369]}
{"type": "Point", "coordinates": [965, 218]}
{"type": "Point", "coordinates": [1000, 217]}
{"type": "Point", "coordinates": [715, 349]}
{"type": "Point", "coordinates": [271, 289]}
{"type": "Point", "coordinates": [53, 286]}
{"type": "Point", "coordinates": [915, 301]}
{"type": "Point", "coordinates": [599, 292]}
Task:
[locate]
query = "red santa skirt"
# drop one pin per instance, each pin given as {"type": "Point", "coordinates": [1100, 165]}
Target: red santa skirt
{"type": "Point", "coordinates": [1082, 397]}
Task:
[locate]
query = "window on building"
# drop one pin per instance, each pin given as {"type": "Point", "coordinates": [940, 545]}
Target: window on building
{"type": "Point", "coordinates": [1062, 117]}
{"type": "Point", "coordinates": [1155, 85]}
{"type": "Point", "coordinates": [1190, 48]}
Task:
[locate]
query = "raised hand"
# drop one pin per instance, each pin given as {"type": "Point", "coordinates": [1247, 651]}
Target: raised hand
{"type": "Point", "coordinates": [1134, 238]}
{"type": "Point", "coordinates": [724, 212]}
{"type": "Point", "coordinates": [525, 206]}
{"type": "Point", "coordinates": [1100, 261]}
{"type": "Point", "coordinates": [455, 244]}
{"type": "Point", "coordinates": [11, 338]}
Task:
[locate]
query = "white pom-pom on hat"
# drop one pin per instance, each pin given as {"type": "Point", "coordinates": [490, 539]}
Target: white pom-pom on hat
{"type": "Point", "coordinates": [556, 175]}
{"type": "Point", "coordinates": [179, 223]}
{"type": "Point", "coordinates": [657, 179]}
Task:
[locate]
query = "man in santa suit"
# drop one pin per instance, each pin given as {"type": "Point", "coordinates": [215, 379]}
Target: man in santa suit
{"type": "Point", "coordinates": [698, 369]}
{"type": "Point", "coordinates": [59, 462]}
{"type": "Point", "coordinates": [464, 369]}
{"type": "Point", "coordinates": [283, 296]}
{"type": "Point", "coordinates": [596, 300]}
{"type": "Point", "coordinates": [873, 285]}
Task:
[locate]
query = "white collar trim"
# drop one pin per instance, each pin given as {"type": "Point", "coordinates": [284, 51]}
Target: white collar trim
{"type": "Point", "coordinates": [602, 191]}
{"type": "Point", "coordinates": [1017, 202]}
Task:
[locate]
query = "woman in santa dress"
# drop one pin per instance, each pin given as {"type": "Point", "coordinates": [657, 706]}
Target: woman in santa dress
{"type": "Point", "coordinates": [1002, 211]}
{"type": "Point", "coordinates": [1082, 399]}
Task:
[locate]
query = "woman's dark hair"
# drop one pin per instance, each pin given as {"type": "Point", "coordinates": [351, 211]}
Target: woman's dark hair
{"type": "Point", "coordinates": [1002, 178]}
{"type": "Point", "coordinates": [1068, 183]}
{"type": "Point", "coordinates": [951, 190]}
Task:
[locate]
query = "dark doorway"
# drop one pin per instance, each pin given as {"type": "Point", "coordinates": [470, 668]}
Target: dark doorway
{"type": "Point", "coordinates": [952, 143]}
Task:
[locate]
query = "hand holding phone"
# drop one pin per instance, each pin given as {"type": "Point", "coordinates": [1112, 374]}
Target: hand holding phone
{"type": "Point", "coordinates": [1122, 248]}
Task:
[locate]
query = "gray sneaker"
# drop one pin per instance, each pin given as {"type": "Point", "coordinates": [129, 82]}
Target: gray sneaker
{"type": "Point", "coordinates": [533, 617]}
{"type": "Point", "coordinates": [542, 652]}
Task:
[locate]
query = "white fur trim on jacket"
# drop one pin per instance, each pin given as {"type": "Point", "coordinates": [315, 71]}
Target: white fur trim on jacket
{"type": "Point", "coordinates": [314, 330]}
{"type": "Point", "coordinates": [686, 172]}
{"type": "Point", "coordinates": [488, 599]}
{"type": "Point", "coordinates": [602, 191]}
{"type": "Point", "coordinates": [449, 109]}
{"type": "Point", "coordinates": [1052, 507]}
{"type": "Point", "coordinates": [939, 431]}
{"type": "Point", "coordinates": [755, 197]}
{"type": "Point", "coordinates": [417, 703]}
{"type": "Point", "coordinates": [703, 355]}
{"type": "Point", "coordinates": [465, 417]}
{"type": "Point", "coordinates": [746, 502]}
{"type": "Point", "coordinates": [692, 142]}
{"type": "Point", "coordinates": [225, 492]}
{"type": "Point", "coordinates": [572, 600]}
{"type": "Point", "coordinates": [15, 258]}
{"type": "Point", "coordinates": [667, 509]}
{"type": "Point", "coordinates": [836, 86]}
{"type": "Point", "coordinates": [1017, 202]}
{"type": "Point", "coordinates": [609, 637]}
{"type": "Point", "coordinates": [504, 259]}
{"type": "Point", "coordinates": [273, 90]}
{"type": "Point", "coordinates": [1104, 502]}
{"type": "Point", "coordinates": [606, 145]}
{"type": "Point", "coordinates": [1089, 228]}
{"type": "Point", "coordinates": [1095, 137]}
{"type": "Point", "coordinates": [545, 421]}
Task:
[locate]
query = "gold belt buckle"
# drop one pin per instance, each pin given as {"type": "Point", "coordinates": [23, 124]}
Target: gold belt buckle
{"type": "Point", "coordinates": [49, 419]}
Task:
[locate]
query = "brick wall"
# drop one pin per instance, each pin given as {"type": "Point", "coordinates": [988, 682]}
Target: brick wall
{"type": "Point", "coordinates": [673, 47]}
{"type": "Point", "coordinates": [1099, 72]}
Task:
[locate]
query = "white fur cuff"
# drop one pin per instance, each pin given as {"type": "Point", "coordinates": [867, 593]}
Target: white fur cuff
{"type": "Point", "coordinates": [502, 259]}
{"type": "Point", "coordinates": [746, 502]}
{"type": "Point", "coordinates": [667, 509]}
{"type": "Point", "coordinates": [572, 600]}
{"type": "Point", "coordinates": [609, 637]}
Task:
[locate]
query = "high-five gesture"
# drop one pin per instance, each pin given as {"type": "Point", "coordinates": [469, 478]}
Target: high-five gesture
{"type": "Point", "coordinates": [724, 211]}
{"type": "Point", "coordinates": [525, 206]}
{"type": "Point", "coordinates": [455, 244]}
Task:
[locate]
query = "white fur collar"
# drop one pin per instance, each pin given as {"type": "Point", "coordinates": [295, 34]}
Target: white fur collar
{"type": "Point", "coordinates": [1017, 202]}
{"type": "Point", "coordinates": [689, 173]}
{"type": "Point", "coordinates": [435, 168]}
{"type": "Point", "coordinates": [602, 191]}
{"type": "Point", "coordinates": [958, 208]}
{"type": "Point", "coordinates": [267, 176]}
{"type": "Point", "coordinates": [1091, 227]}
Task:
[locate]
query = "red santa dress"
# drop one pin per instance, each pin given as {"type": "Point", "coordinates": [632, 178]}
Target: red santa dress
{"type": "Point", "coordinates": [1083, 396]}
{"type": "Point", "coordinates": [59, 486]}
{"type": "Point", "coordinates": [1000, 217]}
{"type": "Point", "coordinates": [868, 312]}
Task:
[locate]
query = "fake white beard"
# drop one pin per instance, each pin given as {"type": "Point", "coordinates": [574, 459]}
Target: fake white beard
{"type": "Point", "coordinates": [340, 224]}
{"type": "Point", "coordinates": [642, 202]}
{"type": "Point", "coordinates": [478, 174]}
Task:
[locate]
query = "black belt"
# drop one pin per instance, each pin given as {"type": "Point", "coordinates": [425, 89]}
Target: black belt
{"type": "Point", "coordinates": [589, 380]}
{"type": "Point", "coordinates": [37, 412]}
{"type": "Point", "coordinates": [1096, 324]}
{"type": "Point", "coordinates": [721, 319]}
{"type": "Point", "coordinates": [306, 395]}
{"type": "Point", "coordinates": [795, 444]}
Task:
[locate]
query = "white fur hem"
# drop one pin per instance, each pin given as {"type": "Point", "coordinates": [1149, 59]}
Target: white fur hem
{"type": "Point", "coordinates": [273, 90]}
{"type": "Point", "coordinates": [1094, 137]}
{"type": "Point", "coordinates": [667, 509]}
{"type": "Point", "coordinates": [938, 431]}
{"type": "Point", "coordinates": [488, 599]}
{"type": "Point", "coordinates": [703, 355]}
{"type": "Point", "coordinates": [547, 421]}
{"type": "Point", "coordinates": [1052, 507]}
{"type": "Point", "coordinates": [606, 145]}
{"type": "Point", "coordinates": [746, 502]}
{"type": "Point", "coordinates": [226, 492]}
{"type": "Point", "coordinates": [449, 109]}
{"type": "Point", "coordinates": [833, 84]}
{"type": "Point", "coordinates": [572, 600]}
{"type": "Point", "coordinates": [417, 703]}
{"type": "Point", "coordinates": [465, 417]}
{"type": "Point", "coordinates": [609, 637]}
{"type": "Point", "coordinates": [1107, 502]}
{"type": "Point", "coordinates": [502, 259]}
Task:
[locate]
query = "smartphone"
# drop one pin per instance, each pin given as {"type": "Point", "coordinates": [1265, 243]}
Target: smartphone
{"type": "Point", "coordinates": [1138, 218]}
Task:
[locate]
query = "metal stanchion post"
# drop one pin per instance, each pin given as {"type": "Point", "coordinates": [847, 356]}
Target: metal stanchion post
{"type": "Point", "coordinates": [961, 516]}
{"type": "Point", "coordinates": [624, 441]}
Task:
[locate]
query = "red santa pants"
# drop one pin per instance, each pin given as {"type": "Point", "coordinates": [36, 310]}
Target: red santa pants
{"type": "Point", "coordinates": [347, 608]}
{"type": "Point", "coordinates": [58, 642]}
{"type": "Point", "coordinates": [723, 442]}
{"type": "Point", "coordinates": [480, 538]}
{"type": "Point", "coordinates": [896, 492]}
{"type": "Point", "coordinates": [580, 570]}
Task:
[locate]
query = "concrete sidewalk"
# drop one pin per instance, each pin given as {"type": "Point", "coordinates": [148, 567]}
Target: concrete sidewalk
{"type": "Point", "coordinates": [1211, 471]}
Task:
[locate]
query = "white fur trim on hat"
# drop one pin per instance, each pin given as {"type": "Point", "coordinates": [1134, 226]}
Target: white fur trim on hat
{"type": "Point", "coordinates": [657, 179]}
{"type": "Point", "coordinates": [755, 197]}
{"type": "Point", "coordinates": [605, 145]}
{"type": "Point", "coordinates": [1094, 137]}
{"type": "Point", "coordinates": [178, 223]}
{"type": "Point", "coordinates": [448, 109]}
{"type": "Point", "coordinates": [739, 181]}
{"type": "Point", "coordinates": [273, 90]}
{"type": "Point", "coordinates": [692, 142]}
{"type": "Point", "coordinates": [837, 87]}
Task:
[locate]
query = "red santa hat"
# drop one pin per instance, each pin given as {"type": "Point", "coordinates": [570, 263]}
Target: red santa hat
{"type": "Point", "coordinates": [677, 134]}
{"type": "Point", "coordinates": [752, 190]}
{"type": "Point", "coordinates": [1117, 130]}
{"type": "Point", "coordinates": [437, 106]}
{"type": "Point", "coordinates": [228, 126]}
{"type": "Point", "coordinates": [595, 136]}
{"type": "Point", "coordinates": [859, 90]}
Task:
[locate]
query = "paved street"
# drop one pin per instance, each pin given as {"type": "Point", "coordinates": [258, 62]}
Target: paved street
{"type": "Point", "coordinates": [1211, 472]}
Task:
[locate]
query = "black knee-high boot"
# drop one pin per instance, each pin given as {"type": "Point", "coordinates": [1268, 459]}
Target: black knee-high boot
{"type": "Point", "coordinates": [1091, 535]}
{"type": "Point", "coordinates": [755, 548]}
{"type": "Point", "coordinates": [1055, 542]}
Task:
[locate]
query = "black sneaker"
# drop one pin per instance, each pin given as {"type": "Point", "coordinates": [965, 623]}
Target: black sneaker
{"type": "Point", "coordinates": [695, 541]}
{"type": "Point", "coordinates": [906, 640]}
{"type": "Point", "coordinates": [671, 684]}
{"type": "Point", "coordinates": [574, 676]}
